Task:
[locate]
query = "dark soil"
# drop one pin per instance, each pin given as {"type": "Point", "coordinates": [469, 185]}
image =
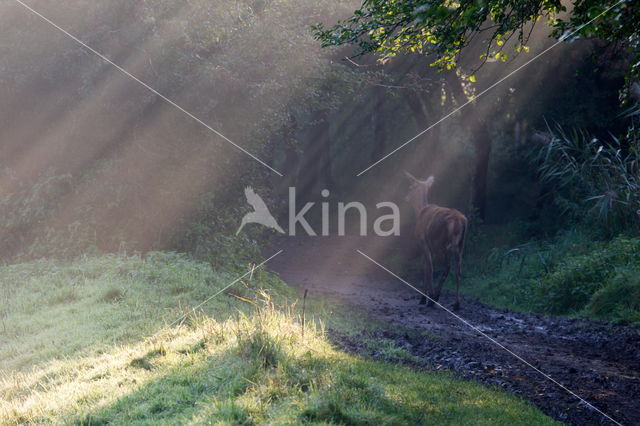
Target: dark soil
{"type": "Point", "coordinates": [599, 362]}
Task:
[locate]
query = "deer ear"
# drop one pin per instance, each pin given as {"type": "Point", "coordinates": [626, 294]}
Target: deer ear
{"type": "Point", "coordinates": [429, 181]}
{"type": "Point", "coordinates": [410, 176]}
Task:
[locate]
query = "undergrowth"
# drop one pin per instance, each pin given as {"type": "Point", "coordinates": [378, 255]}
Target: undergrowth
{"type": "Point", "coordinates": [572, 274]}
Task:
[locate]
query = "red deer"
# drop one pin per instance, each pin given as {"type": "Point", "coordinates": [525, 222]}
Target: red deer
{"type": "Point", "coordinates": [441, 233]}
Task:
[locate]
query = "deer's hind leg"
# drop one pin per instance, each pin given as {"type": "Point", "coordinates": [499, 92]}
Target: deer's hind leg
{"type": "Point", "coordinates": [458, 265]}
{"type": "Point", "coordinates": [443, 278]}
{"type": "Point", "coordinates": [428, 278]}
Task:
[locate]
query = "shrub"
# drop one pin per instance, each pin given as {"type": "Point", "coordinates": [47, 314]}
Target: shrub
{"type": "Point", "coordinates": [102, 219]}
{"type": "Point", "coordinates": [570, 287]}
{"type": "Point", "coordinates": [570, 274]}
{"type": "Point", "coordinates": [619, 299]}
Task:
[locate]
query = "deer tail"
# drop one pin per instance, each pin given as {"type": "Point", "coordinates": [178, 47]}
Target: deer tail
{"type": "Point", "coordinates": [462, 236]}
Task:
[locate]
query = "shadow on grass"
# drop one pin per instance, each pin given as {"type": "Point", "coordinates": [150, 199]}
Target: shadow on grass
{"type": "Point", "coordinates": [258, 380]}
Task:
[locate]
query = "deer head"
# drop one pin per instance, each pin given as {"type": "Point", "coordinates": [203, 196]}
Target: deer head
{"type": "Point", "coordinates": [418, 194]}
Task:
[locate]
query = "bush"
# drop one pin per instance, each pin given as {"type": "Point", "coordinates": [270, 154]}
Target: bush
{"type": "Point", "coordinates": [619, 299]}
{"type": "Point", "coordinates": [570, 287]}
{"type": "Point", "coordinates": [572, 274]}
{"type": "Point", "coordinates": [103, 221]}
{"type": "Point", "coordinates": [33, 226]}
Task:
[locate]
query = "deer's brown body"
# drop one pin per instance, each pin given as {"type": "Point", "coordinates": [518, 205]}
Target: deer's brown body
{"type": "Point", "coordinates": [441, 233]}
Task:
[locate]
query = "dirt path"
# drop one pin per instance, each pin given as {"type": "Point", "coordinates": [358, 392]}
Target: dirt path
{"type": "Point", "coordinates": [599, 362]}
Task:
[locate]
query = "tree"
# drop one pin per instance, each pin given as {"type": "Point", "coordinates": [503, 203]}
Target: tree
{"type": "Point", "coordinates": [443, 28]}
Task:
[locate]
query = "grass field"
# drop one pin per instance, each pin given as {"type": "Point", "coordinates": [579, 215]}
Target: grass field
{"type": "Point", "coordinates": [86, 342]}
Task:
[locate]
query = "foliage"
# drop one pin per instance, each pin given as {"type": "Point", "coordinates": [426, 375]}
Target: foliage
{"type": "Point", "coordinates": [218, 366]}
{"type": "Point", "coordinates": [141, 172]}
{"type": "Point", "coordinates": [28, 207]}
{"type": "Point", "coordinates": [35, 227]}
{"type": "Point", "coordinates": [571, 274]}
{"type": "Point", "coordinates": [619, 297]}
{"type": "Point", "coordinates": [29, 228]}
{"type": "Point", "coordinates": [38, 221]}
{"type": "Point", "coordinates": [584, 173]}
{"type": "Point", "coordinates": [444, 28]}
{"type": "Point", "coordinates": [570, 287]}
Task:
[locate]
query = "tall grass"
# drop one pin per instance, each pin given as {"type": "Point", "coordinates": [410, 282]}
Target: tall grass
{"type": "Point", "coordinates": [592, 179]}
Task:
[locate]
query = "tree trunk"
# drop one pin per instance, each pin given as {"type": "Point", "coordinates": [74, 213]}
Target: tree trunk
{"type": "Point", "coordinates": [482, 145]}
{"type": "Point", "coordinates": [419, 114]}
{"type": "Point", "coordinates": [324, 139]}
{"type": "Point", "coordinates": [424, 116]}
{"type": "Point", "coordinates": [290, 166]}
{"type": "Point", "coordinates": [315, 166]}
{"type": "Point", "coordinates": [378, 125]}
{"type": "Point", "coordinates": [479, 132]}
{"type": "Point", "coordinates": [291, 156]}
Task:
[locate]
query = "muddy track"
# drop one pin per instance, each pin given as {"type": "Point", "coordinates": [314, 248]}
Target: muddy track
{"type": "Point", "coordinates": [599, 362]}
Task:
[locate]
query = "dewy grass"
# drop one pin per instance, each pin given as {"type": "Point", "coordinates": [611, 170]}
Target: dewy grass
{"type": "Point", "coordinates": [239, 362]}
{"type": "Point", "coordinates": [51, 309]}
